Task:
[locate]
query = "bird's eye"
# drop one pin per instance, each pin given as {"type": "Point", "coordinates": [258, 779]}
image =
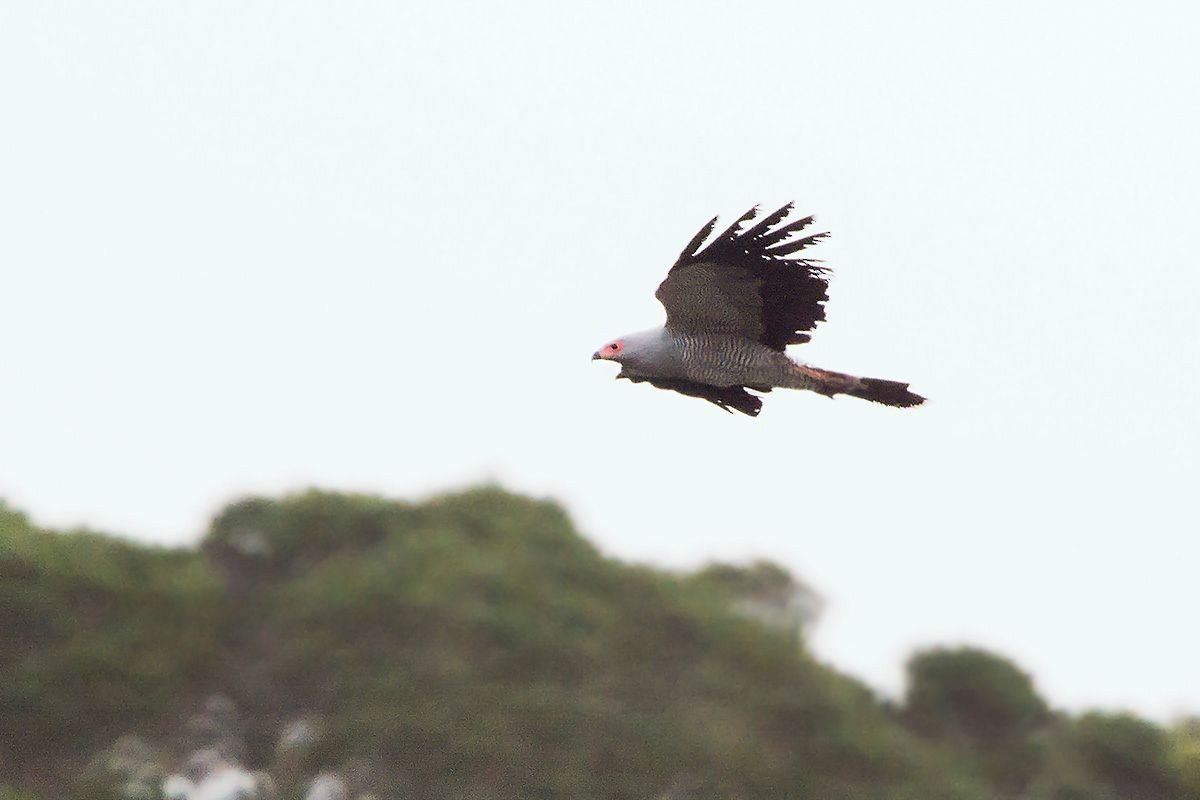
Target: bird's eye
{"type": "Point", "coordinates": [613, 346]}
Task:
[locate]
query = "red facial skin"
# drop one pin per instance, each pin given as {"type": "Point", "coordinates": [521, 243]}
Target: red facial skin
{"type": "Point", "coordinates": [610, 350]}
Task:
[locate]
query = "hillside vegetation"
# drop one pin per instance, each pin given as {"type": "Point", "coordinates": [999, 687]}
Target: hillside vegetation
{"type": "Point", "coordinates": [475, 646]}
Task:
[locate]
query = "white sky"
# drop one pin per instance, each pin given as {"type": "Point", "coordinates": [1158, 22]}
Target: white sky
{"type": "Point", "coordinates": [251, 247]}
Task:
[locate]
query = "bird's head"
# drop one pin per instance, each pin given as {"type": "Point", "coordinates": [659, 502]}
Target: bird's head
{"type": "Point", "coordinates": [611, 351]}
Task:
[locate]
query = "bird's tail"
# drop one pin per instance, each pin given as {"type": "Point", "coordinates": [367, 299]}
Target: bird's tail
{"type": "Point", "coordinates": [829, 383]}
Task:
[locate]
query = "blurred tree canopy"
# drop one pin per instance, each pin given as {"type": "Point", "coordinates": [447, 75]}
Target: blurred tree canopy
{"type": "Point", "coordinates": [1131, 754]}
{"type": "Point", "coordinates": [476, 646]}
{"type": "Point", "coordinates": [984, 701]}
{"type": "Point", "coordinates": [972, 693]}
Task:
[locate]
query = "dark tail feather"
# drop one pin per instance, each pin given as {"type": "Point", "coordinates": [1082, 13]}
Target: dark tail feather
{"type": "Point", "coordinates": [829, 383]}
{"type": "Point", "coordinates": [890, 393]}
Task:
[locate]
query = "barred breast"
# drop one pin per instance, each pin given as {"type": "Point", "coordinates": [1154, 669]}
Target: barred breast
{"type": "Point", "coordinates": [721, 360]}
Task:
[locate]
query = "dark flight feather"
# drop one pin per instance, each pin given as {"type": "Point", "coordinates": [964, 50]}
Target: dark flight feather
{"type": "Point", "coordinates": [792, 290]}
{"type": "Point", "coordinates": [770, 220]}
{"type": "Point", "coordinates": [731, 234]}
{"type": "Point", "coordinates": [784, 231]}
{"type": "Point", "coordinates": [697, 240]}
{"type": "Point", "coordinates": [795, 245]}
{"type": "Point", "coordinates": [729, 398]}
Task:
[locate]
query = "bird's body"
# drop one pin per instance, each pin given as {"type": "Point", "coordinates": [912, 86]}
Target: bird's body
{"type": "Point", "coordinates": [732, 309]}
{"type": "Point", "coordinates": [716, 359]}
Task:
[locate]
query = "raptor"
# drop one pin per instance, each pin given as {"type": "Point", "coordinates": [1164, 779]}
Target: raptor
{"type": "Point", "coordinates": [733, 307]}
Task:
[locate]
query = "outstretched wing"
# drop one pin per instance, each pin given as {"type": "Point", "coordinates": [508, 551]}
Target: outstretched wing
{"type": "Point", "coordinates": [727, 397]}
{"type": "Point", "coordinates": [744, 282]}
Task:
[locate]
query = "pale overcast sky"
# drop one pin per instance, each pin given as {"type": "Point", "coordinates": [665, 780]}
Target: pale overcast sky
{"type": "Point", "coordinates": [253, 247]}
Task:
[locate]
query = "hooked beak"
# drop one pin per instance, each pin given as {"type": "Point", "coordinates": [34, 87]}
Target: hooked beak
{"type": "Point", "coordinates": [595, 355]}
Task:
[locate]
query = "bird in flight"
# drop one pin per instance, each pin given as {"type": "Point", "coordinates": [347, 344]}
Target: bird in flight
{"type": "Point", "coordinates": [733, 307]}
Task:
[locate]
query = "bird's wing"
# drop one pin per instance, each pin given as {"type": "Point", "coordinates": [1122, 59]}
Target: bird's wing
{"type": "Point", "coordinates": [727, 397]}
{"type": "Point", "coordinates": [744, 282]}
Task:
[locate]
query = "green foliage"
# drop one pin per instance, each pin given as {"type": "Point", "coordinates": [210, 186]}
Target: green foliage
{"type": "Point", "coordinates": [766, 592]}
{"type": "Point", "coordinates": [475, 646]}
{"type": "Point", "coordinates": [503, 648]}
{"type": "Point", "coordinates": [301, 531]}
{"type": "Point", "coordinates": [1185, 752]}
{"type": "Point", "coordinates": [760, 578]}
{"type": "Point", "coordinates": [971, 692]}
{"type": "Point", "coordinates": [9, 793]}
{"type": "Point", "coordinates": [96, 635]}
{"type": "Point", "coordinates": [1130, 754]}
{"type": "Point", "coordinates": [984, 702]}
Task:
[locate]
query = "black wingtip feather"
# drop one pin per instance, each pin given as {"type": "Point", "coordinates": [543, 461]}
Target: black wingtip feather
{"type": "Point", "coordinates": [732, 232]}
{"type": "Point", "coordinates": [796, 245]}
{"type": "Point", "coordinates": [770, 220]}
{"type": "Point", "coordinates": [696, 241]}
{"type": "Point", "coordinates": [784, 231]}
{"type": "Point", "coordinates": [793, 290]}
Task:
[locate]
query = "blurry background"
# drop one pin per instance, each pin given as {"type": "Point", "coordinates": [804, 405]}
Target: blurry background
{"type": "Point", "coordinates": [249, 249]}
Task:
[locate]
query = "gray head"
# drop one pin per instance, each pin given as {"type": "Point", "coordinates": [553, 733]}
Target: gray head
{"type": "Point", "coordinates": [633, 348]}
